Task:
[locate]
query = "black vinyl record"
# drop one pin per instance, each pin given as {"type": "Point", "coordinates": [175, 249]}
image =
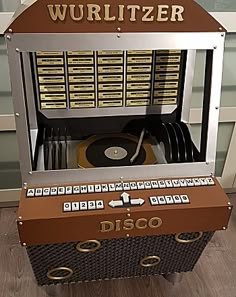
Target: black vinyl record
{"type": "Point", "coordinates": [188, 141]}
{"type": "Point", "coordinates": [174, 142]}
{"type": "Point", "coordinates": [100, 152]}
{"type": "Point", "coordinates": [166, 140]}
{"type": "Point", "coordinates": [181, 142]}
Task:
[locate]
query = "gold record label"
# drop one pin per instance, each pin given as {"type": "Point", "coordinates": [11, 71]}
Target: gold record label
{"type": "Point", "coordinates": [110, 87]}
{"type": "Point", "coordinates": [52, 97]}
{"type": "Point", "coordinates": [166, 85]}
{"type": "Point", "coordinates": [130, 224]}
{"type": "Point", "coordinates": [138, 77]}
{"type": "Point", "coordinates": [138, 86]}
{"type": "Point", "coordinates": [55, 105]}
{"type": "Point", "coordinates": [139, 52]}
{"type": "Point", "coordinates": [50, 61]}
{"type": "Point", "coordinates": [80, 53]}
{"type": "Point", "coordinates": [166, 76]}
{"type": "Point", "coordinates": [82, 104]}
{"type": "Point", "coordinates": [110, 95]}
{"type": "Point", "coordinates": [51, 79]}
{"type": "Point", "coordinates": [82, 87]}
{"type": "Point", "coordinates": [50, 70]}
{"type": "Point", "coordinates": [165, 93]}
{"type": "Point", "coordinates": [81, 61]}
{"type": "Point", "coordinates": [81, 78]}
{"type": "Point", "coordinates": [110, 69]}
{"type": "Point", "coordinates": [110, 60]}
{"type": "Point", "coordinates": [49, 53]}
{"type": "Point", "coordinates": [140, 68]}
{"type": "Point", "coordinates": [107, 103]}
{"type": "Point", "coordinates": [139, 60]}
{"type": "Point", "coordinates": [108, 78]}
{"type": "Point", "coordinates": [52, 88]}
{"type": "Point", "coordinates": [138, 94]}
{"type": "Point", "coordinates": [81, 69]}
{"type": "Point", "coordinates": [110, 52]}
{"type": "Point", "coordinates": [167, 101]}
{"type": "Point", "coordinates": [82, 96]}
{"type": "Point", "coordinates": [168, 59]}
{"type": "Point", "coordinates": [138, 102]}
{"type": "Point", "coordinates": [168, 52]}
{"type": "Point", "coordinates": [168, 67]}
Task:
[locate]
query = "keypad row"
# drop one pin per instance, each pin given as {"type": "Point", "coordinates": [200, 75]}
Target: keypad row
{"type": "Point", "coordinates": [83, 205]}
{"type": "Point", "coordinates": [169, 199]}
{"type": "Point", "coordinates": [122, 186]}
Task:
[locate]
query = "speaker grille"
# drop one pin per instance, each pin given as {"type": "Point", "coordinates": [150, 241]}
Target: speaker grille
{"type": "Point", "coordinates": [117, 258]}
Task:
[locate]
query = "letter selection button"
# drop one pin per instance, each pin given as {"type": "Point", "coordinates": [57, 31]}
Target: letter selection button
{"type": "Point", "coordinates": [147, 185]}
{"type": "Point", "coordinates": [140, 185]}
{"type": "Point", "coordinates": [176, 183]}
{"type": "Point", "coordinates": [83, 205]}
{"type": "Point", "coordinates": [183, 182]}
{"type": "Point", "coordinates": [30, 193]}
{"type": "Point", "coordinates": [83, 189]}
{"type": "Point", "coordinates": [76, 190]}
{"type": "Point", "coordinates": [67, 206]}
{"type": "Point", "coordinates": [105, 188]}
{"type": "Point", "coordinates": [61, 191]}
{"type": "Point", "coordinates": [126, 186]}
{"type": "Point", "coordinates": [153, 200]}
{"type": "Point", "coordinates": [90, 188]}
{"type": "Point", "coordinates": [68, 190]}
{"type": "Point", "coordinates": [161, 200]}
{"type": "Point", "coordinates": [53, 191]}
{"type": "Point", "coordinates": [46, 191]}
{"type": "Point", "coordinates": [119, 187]}
{"type": "Point", "coordinates": [111, 187]}
{"type": "Point", "coordinates": [91, 205]}
{"type": "Point", "coordinates": [161, 184]}
{"type": "Point", "coordinates": [98, 188]}
{"type": "Point", "coordinates": [169, 200]}
{"type": "Point", "coordinates": [210, 181]}
{"type": "Point", "coordinates": [168, 183]}
{"type": "Point", "coordinates": [99, 204]}
{"type": "Point", "coordinates": [189, 182]}
{"type": "Point", "coordinates": [154, 184]}
{"type": "Point", "coordinates": [38, 192]}
{"type": "Point", "coordinates": [177, 199]}
{"type": "Point", "coordinates": [133, 186]}
{"type": "Point", "coordinates": [75, 206]}
{"type": "Point", "coordinates": [196, 182]}
{"type": "Point", "coordinates": [184, 199]}
{"type": "Point", "coordinates": [203, 181]}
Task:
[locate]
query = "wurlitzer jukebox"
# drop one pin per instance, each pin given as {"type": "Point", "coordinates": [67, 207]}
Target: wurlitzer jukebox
{"type": "Point", "coordinates": [114, 185]}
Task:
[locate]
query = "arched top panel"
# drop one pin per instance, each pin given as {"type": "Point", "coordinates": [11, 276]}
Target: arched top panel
{"type": "Point", "coordinates": [100, 16]}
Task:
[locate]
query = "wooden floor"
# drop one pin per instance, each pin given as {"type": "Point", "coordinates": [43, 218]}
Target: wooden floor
{"type": "Point", "coordinates": [213, 276]}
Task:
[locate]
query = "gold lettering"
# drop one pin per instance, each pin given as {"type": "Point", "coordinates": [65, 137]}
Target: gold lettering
{"type": "Point", "coordinates": [139, 224]}
{"type": "Point", "coordinates": [162, 13]}
{"type": "Point", "coordinates": [117, 228]}
{"type": "Point", "coordinates": [106, 226]}
{"type": "Point", "coordinates": [72, 12]}
{"type": "Point", "coordinates": [128, 224]}
{"type": "Point", "coordinates": [155, 222]}
{"type": "Point", "coordinates": [177, 11]}
{"type": "Point", "coordinates": [121, 13]}
{"type": "Point", "coordinates": [107, 16]}
{"type": "Point", "coordinates": [147, 17]}
{"type": "Point", "coordinates": [56, 12]}
{"type": "Point", "coordinates": [93, 12]}
{"type": "Point", "coordinates": [133, 9]}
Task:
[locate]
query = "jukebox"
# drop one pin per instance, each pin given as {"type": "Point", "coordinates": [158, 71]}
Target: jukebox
{"type": "Point", "coordinates": [113, 183]}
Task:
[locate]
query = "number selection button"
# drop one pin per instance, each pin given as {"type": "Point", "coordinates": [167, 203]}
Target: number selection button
{"type": "Point", "coordinates": [91, 205]}
{"type": "Point", "coordinates": [83, 205]}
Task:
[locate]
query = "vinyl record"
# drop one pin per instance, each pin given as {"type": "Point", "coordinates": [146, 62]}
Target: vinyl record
{"type": "Point", "coordinates": [165, 142]}
{"type": "Point", "coordinates": [188, 141]}
{"type": "Point", "coordinates": [181, 142]}
{"type": "Point", "coordinates": [174, 142]}
{"type": "Point", "coordinates": [113, 150]}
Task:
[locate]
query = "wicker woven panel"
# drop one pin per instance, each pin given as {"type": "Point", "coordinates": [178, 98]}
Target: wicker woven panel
{"type": "Point", "coordinates": [117, 258]}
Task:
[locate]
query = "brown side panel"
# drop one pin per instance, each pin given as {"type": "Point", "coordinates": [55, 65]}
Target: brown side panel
{"type": "Point", "coordinates": [36, 19]}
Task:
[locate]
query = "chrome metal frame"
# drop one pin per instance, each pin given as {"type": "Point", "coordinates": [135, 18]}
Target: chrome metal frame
{"type": "Point", "coordinates": [110, 41]}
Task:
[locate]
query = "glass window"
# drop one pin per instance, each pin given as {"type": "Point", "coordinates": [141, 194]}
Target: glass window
{"type": "Point", "coordinates": [9, 5]}
{"type": "Point", "coordinates": [218, 5]}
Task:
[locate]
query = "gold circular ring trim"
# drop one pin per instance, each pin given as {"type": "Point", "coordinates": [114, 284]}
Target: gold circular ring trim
{"type": "Point", "coordinates": [50, 273]}
{"type": "Point", "coordinates": [178, 239]}
{"type": "Point", "coordinates": [143, 264]}
{"type": "Point", "coordinates": [88, 250]}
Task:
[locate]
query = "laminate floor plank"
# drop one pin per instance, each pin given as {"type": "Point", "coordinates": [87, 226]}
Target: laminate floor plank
{"type": "Point", "coordinates": [214, 275]}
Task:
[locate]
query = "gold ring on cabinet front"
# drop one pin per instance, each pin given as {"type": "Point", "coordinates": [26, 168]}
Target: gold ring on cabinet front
{"type": "Point", "coordinates": [178, 239]}
{"type": "Point", "coordinates": [145, 259]}
{"type": "Point", "coordinates": [88, 250]}
{"type": "Point", "coordinates": [65, 269]}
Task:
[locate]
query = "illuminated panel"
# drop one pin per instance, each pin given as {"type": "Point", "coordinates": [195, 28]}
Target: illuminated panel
{"type": "Point", "coordinates": [81, 79]}
{"type": "Point", "coordinates": [110, 77]}
{"type": "Point", "coordinates": [51, 80]}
